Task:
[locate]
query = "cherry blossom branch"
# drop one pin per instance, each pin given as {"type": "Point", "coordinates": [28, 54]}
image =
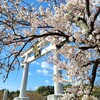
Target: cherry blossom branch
{"type": "Point", "coordinates": [57, 33]}
{"type": "Point", "coordinates": [52, 34]}
{"type": "Point", "coordinates": [25, 38]}
{"type": "Point", "coordinates": [16, 58]}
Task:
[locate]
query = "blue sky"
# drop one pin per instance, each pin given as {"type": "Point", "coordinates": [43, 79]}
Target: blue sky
{"type": "Point", "coordinates": [40, 74]}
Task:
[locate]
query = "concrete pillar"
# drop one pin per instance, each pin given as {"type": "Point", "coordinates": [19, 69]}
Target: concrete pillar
{"type": "Point", "coordinates": [24, 80]}
{"type": "Point", "coordinates": [22, 95]}
{"type": "Point", "coordinates": [58, 87]}
{"type": "Point", "coordinates": [5, 95]}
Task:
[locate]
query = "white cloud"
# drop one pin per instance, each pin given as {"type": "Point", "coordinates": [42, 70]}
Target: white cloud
{"type": "Point", "coordinates": [46, 81]}
{"type": "Point", "coordinates": [35, 62]}
{"type": "Point", "coordinates": [45, 72]}
{"type": "Point", "coordinates": [30, 74]}
{"type": "Point", "coordinates": [36, 87]}
{"type": "Point", "coordinates": [39, 71]}
{"type": "Point", "coordinates": [46, 65]}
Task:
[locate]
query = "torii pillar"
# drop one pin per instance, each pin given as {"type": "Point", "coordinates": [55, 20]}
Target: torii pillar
{"type": "Point", "coordinates": [22, 95]}
{"type": "Point", "coordinates": [58, 87]}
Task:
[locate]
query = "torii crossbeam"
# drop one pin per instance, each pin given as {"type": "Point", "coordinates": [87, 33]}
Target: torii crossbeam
{"type": "Point", "coordinates": [37, 50]}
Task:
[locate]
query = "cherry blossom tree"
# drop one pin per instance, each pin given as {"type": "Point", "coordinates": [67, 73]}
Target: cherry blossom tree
{"type": "Point", "coordinates": [71, 25]}
{"type": "Point", "coordinates": [18, 28]}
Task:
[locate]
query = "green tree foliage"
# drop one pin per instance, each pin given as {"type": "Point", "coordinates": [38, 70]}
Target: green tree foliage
{"type": "Point", "coordinates": [96, 91]}
{"type": "Point", "coordinates": [45, 90]}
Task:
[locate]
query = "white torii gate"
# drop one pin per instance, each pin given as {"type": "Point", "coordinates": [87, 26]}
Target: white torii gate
{"type": "Point", "coordinates": [38, 51]}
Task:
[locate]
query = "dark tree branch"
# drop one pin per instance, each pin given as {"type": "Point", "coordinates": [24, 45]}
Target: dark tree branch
{"type": "Point", "coordinates": [51, 34]}
{"type": "Point", "coordinates": [94, 18]}
{"type": "Point", "coordinates": [47, 26]}
{"type": "Point", "coordinates": [95, 66]}
{"type": "Point", "coordinates": [85, 65]}
{"type": "Point", "coordinates": [25, 38]}
{"type": "Point", "coordinates": [16, 58]}
{"type": "Point", "coordinates": [89, 63]}
{"type": "Point", "coordinates": [55, 2]}
{"type": "Point", "coordinates": [61, 44]}
{"type": "Point", "coordinates": [87, 7]}
{"type": "Point", "coordinates": [88, 47]}
{"type": "Point", "coordinates": [44, 35]}
{"type": "Point", "coordinates": [97, 13]}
